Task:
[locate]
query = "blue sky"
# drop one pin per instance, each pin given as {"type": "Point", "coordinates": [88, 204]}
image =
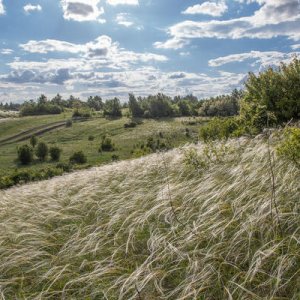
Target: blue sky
{"type": "Point", "coordinates": [114, 47]}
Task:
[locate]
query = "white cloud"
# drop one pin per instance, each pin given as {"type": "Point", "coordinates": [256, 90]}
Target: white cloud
{"type": "Point", "coordinates": [82, 10]}
{"type": "Point", "coordinates": [102, 49]}
{"type": "Point", "coordinates": [263, 58]}
{"type": "Point", "coordinates": [122, 2]}
{"type": "Point", "coordinates": [2, 10]}
{"type": "Point", "coordinates": [30, 8]}
{"type": "Point", "coordinates": [6, 51]}
{"type": "Point", "coordinates": [215, 9]}
{"type": "Point", "coordinates": [123, 19]}
{"type": "Point", "coordinates": [296, 46]}
{"type": "Point", "coordinates": [274, 18]}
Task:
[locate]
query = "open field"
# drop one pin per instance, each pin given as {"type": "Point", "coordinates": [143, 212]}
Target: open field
{"type": "Point", "coordinates": [164, 226]}
{"type": "Point", "coordinates": [75, 138]}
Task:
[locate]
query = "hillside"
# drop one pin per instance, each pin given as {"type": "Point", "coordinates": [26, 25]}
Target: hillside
{"type": "Point", "coordinates": [208, 223]}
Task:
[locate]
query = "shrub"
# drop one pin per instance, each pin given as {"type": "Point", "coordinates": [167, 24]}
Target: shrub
{"type": "Point", "coordinates": [25, 154]}
{"type": "Point", "coordinates": [115, 157]}
{"type": "Point", "coordinates": [33, 141]}
{"type": "Point", "coordinates": [130, 125]}
{"type": "Point", "coordinates": [65, 167]}
{"type": "Point", "coordinates": [91, 138]}
{"type": "Point", "coordinates": [78, 158]}
{"type": "Point", "coordinates": [107, 144]}
{"type": "Point", "coordinates": [81, 114]}
{"type": "Point", "coordinates": [69, 123]}
{"type": "Point", "coordinates": [42, 151]}
{"type": "Point", "coordinates": [219, 129]}
{"type": "Point", "coordinates": [55, 153]}
{"type": "Point", "coordinates": [289, 148]}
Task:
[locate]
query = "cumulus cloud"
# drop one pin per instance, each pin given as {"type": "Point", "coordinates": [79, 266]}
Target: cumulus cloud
{"type": "Point", "coordinates": [102, 48]}
{"type": "Point", "coordinates": [215, 9]}
{"type": "Point", "coordinates": [28, 8]}
{"type": "Point", "coordinates": [2, 10]}
{"type": "Point", "coordinates": [82, 10]}
{"type": "Point", "coordinates": [28, 76]}
{"type": "Point", "coordinates": [264, 58]}
{"type": "Point", "coordinates": [122, 2]}
{"type": "Point", "coordinates": [274, 18]}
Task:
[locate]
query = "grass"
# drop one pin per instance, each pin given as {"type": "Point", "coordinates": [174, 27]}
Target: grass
{"type": "Point", "coordinates": [75, 138]}
{"type": "Point", "coordinates": [158, 227]}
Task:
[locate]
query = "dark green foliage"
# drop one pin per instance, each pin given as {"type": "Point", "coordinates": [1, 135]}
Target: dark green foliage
{"type": "Point", "coordinates": [78, 158]}
{"type": "Point", "coordinates": [115, 157]}
{"type": "Point", "coordinates": [42, 151]}
{"type": "Point", "coordinates": [130, 125]}
{"type": "Point", "coordinates": [221, 106]}
{"type": "Point", "coordinates": [33, 141]}
{"type": "Point", "coordinates": [219, 128]}
{"type": "Point", "coordinates": [112, 108]}
{"type": "Point", "coordinates": [95, 103]}
{"type": "Point", "coordinates": [289, 148]}
{"type": "Point", "coordinates": [106, 144]}
{"type": "Point", "coordinates": [42, 107]}
{"type": "Point", "coordinates": [69, 123]}
{"type": "Point", "coordinates": [91, 138]}
{"type": "Point", "coordinates": [272, 96]}
{"type": "Point", "coordinates": [55, 153]}
{"type": "Point", "coordinates": [66, 167]}
{"type": "Point", "coordinates": [25, 154]}
{"type": "Point", "coordinates": [80, 113]}
{"type": "Point", "coordinates": [135, 107]}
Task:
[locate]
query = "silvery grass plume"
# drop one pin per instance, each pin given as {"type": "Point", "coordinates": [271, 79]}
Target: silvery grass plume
{"type": "Point", "coordinates": [159, 227]}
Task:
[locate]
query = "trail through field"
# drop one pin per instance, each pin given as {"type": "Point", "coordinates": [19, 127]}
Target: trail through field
{"type": "Point", "coordinates": [37, 131]}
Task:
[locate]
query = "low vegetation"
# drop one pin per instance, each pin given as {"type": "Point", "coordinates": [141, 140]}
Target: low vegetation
{"type": "Point", "coordinates": [160, 227]}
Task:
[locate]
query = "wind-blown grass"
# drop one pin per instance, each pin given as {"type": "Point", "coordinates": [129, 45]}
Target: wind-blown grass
{"type": "Point", "coordinates": [157, 228]}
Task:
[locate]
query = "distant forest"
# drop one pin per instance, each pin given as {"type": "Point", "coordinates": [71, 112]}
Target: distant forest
{"type": "Point", "coordinates": [152, 106]}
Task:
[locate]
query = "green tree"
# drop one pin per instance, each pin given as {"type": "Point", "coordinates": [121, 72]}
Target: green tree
{"type": "Point", "coordinates": [25, 154]}
{"type": "Point", "coordinates": [112, 108]}
{"type": "Point", "coordinates": [33, 141]}
{"type": "Point", "coordinates": [134, 107]}
{"type": "Point", "coordinates": [55, 153]}
{"type": "Point", "coordinates": [42, 151]}
{"type": "Point", "coordinates": [78, 158]}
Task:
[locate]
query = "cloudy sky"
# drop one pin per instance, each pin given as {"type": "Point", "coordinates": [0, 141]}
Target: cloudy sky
{"type": "Point", "coordinates": [113, 47]}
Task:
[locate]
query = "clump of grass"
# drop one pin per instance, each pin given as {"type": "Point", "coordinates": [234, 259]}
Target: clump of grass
{"type": "Point", "coordinates": [155, 228]}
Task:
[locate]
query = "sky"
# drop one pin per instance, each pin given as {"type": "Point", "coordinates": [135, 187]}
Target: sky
{"type": "Point", "coordinates": [115, 47]}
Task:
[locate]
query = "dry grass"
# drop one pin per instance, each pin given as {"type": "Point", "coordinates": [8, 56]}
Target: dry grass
{"type": "Point", "coordinates": [155, 228]}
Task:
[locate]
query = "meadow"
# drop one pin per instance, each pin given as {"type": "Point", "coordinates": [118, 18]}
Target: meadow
{"type": "Point", "coordinates": [197, 222]}
{"type": "Point", "coordinates": [86, 136]}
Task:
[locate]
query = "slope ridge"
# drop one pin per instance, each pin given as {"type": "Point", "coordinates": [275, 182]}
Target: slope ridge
{"type": "Point", "coordinates": [200, 222]}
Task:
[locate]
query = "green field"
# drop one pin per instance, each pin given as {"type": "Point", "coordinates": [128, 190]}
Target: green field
{"type": "Point", "coordinates": [75, 138]}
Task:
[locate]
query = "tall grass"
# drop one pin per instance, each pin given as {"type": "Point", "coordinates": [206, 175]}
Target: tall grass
{"type": "Point", "coordinates": [158, 228]}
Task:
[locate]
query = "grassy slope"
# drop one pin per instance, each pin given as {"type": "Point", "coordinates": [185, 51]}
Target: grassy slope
{"type": "Point", "coordinates": [155, 228]}
{"type": "Point", "coordinates": [75, 138]}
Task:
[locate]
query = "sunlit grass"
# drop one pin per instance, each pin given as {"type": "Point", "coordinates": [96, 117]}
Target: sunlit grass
{"type": "Point", "coordinates": [157, 228]}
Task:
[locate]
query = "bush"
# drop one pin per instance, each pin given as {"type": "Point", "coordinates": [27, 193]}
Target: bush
{"type": "Point", "coordinates": [42, 151]}
{"type": "Point", "coordinates": [25, 154]}
{"type": "Point", "coordinates": [69, 123]}
{"type": "Point", "coordinates": [107, 144]}
{"type": "Point", "coordinates": [65, 167]}
{"type": "Point", "coordinates": [33, 141]}
{"type": "Point", "coordinates": [81, 114]}
{"type": "Point", "coordinates": [78, 158]}
{"type": "Point", "coordinates": [220, 129]}
{"type": "Point", "coordinates": [130, 125]}
{"type": "Point", "coordinates": [91, 138]}
{"type": "Point", "coordinates": [289, 148]}
{"type": "Point", "coordinates": [55, 153]}
{"type": "Point", "coordinates": [273, 92]}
